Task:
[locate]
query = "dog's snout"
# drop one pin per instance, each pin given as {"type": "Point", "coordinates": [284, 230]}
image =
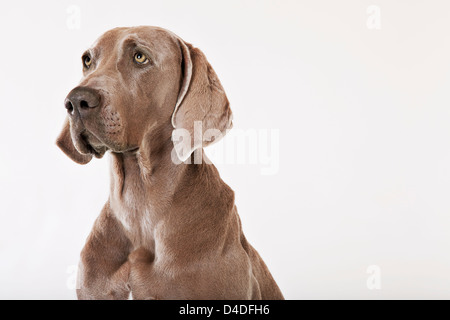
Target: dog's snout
{"type": "Point", "coordinates": [82, 99]}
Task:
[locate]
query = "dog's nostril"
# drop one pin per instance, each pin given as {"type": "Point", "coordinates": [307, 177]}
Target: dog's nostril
{"type": "Point", "coordinates": [69, 107]}
{"type": "Point", "coordinates": [84, 104]}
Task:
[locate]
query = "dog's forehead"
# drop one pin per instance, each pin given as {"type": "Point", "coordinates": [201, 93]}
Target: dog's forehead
{"type": "Point", "coordinates": [114, 39]}
{"type": "Point", "coordinates": [107, 40]}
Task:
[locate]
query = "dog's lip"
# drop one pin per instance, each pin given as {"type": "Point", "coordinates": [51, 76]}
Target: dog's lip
{"type": "Point", "coordinates": [89, 148]}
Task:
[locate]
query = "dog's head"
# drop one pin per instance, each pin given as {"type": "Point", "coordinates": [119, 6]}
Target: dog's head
{"type": "Point", "coordinates": [138, 82]}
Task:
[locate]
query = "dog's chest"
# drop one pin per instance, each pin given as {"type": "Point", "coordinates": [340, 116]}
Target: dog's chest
{"type": "Point", "coordinates": [137, 218]}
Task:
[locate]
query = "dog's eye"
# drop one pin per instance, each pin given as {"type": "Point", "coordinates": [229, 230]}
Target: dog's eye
{"type": "Point", "coordinates": [140, 58]}
{"type": "Point", "coordinates": [87, 61]}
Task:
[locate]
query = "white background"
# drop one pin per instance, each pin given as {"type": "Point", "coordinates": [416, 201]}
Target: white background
{"type": "Point", "coordinates": [363, 118]}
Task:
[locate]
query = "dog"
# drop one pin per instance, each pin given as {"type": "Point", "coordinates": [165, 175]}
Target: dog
{"type": "Point", "coordinates": [170, 228]}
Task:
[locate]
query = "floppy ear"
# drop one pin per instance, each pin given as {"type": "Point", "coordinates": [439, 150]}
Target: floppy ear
{"type": "Point", "coordinates": [201, 104]}
{"type": "Point", "coordinates": [65, 143]}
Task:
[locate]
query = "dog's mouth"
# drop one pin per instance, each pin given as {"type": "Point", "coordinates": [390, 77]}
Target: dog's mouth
{"type": "Point", "coordinates": [86, 143]}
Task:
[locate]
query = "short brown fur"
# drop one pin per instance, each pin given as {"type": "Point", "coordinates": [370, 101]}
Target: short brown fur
{"type": "Point", "coordinates": [168, 230]}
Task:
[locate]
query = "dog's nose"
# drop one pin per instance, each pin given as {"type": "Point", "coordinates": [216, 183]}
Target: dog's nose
{"type": "Point", "coordinates": [82, 99]}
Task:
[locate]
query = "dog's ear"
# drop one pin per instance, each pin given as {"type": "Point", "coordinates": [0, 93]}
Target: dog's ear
{"type": "Point", "coordinates": [201, 103]}
{"type": "Point", "coordinates": [65, 143]}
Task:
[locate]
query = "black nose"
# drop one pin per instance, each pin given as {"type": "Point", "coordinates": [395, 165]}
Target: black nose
{"type": "Point", "coordinates": [82, 99]}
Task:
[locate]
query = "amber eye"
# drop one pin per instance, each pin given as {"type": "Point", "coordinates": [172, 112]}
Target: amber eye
{"type": "Point", "coordinates": [87, 61]}
{"type": "Point", "coordinates": [140, 58]}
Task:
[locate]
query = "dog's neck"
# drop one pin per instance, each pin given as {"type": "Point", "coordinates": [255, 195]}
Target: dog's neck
{"type": "Point", "coordinates": [143, 184]}
{"type": "Point", "coordinates": [146, 172]}
{"type": "Point", "coordinates": [149, 190]}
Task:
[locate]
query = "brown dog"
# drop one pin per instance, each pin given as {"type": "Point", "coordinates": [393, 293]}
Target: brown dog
{"type": "Point", "coordinates": [170, 229]}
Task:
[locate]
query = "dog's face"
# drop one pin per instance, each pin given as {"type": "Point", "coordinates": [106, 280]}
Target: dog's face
{"type": "Point", "coordinates": [129, 76]}
{"type": "Point", "coordinates": [138, 80]}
